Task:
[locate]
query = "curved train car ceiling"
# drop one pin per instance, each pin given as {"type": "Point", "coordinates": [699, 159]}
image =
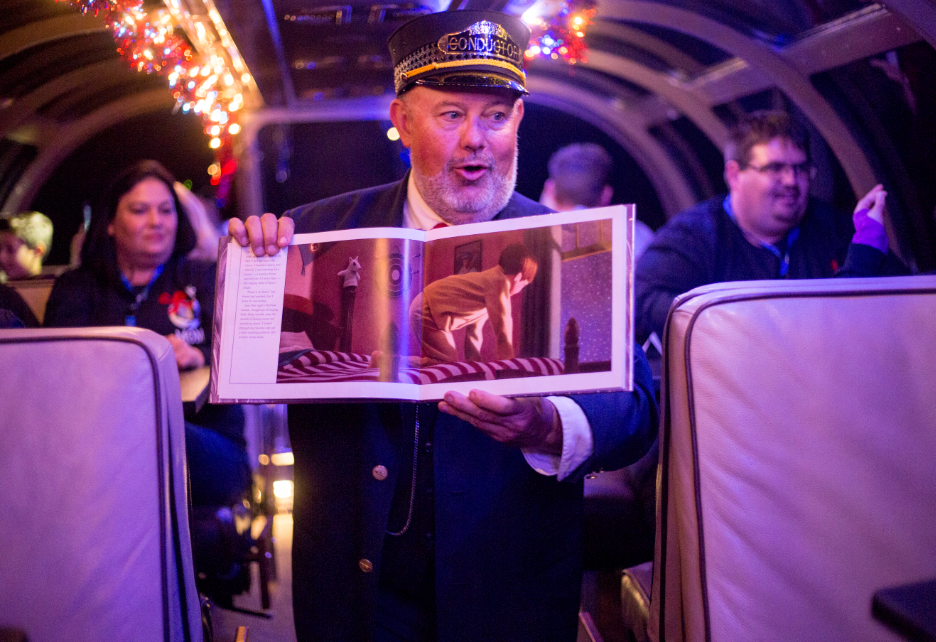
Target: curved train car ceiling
{"type": "Point", "coordinates": [660, 86]}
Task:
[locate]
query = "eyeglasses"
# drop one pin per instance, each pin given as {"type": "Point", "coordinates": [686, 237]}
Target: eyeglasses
{"type": "Point", "coordinates": [776, 169]}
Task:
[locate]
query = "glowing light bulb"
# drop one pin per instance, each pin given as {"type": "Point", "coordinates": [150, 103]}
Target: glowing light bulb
{"type": "Point", "coordinates": [283, 459]}
{"type": "Point", "coordinates": [234, 129]}
{"type": "Point", "coordinates": [282, 488]}
{"type": "Point", "coordinates": [215, 143]}
{"type": "Point", "coordinates": [531, 16]}
{"type": "Point", "coordinates": [393, 134]}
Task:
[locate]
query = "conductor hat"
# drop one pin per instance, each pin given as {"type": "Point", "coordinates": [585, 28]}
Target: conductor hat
{"type": "Point", "coordinates": [461, 50]}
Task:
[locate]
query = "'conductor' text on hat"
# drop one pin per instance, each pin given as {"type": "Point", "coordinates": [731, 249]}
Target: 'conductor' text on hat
{"type": "Point", "coordinates": [460, 49]}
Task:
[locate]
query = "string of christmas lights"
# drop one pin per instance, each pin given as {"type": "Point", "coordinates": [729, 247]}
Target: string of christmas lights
{"type": "Point", "coordinates": [561, 34]}
{"type": "Point", "coordinates": [201, 84]}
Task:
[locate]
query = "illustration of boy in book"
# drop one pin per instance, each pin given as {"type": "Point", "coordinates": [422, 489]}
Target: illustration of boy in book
{"type": "Point", "coordinates": [467, 301]}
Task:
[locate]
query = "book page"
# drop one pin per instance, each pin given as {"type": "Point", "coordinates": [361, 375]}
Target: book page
{"type": "Point", "coordinates": [332, 299]}
{"type": "Point", "coordinates": [567, 329]}
{"type": "Point", "coordinates": [257, 317]}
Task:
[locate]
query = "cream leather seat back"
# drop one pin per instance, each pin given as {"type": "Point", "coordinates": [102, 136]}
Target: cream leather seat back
{"type": "Point", "coordinates": [94, 536]}
{"type": "Point", "coordinates": [798, 458]}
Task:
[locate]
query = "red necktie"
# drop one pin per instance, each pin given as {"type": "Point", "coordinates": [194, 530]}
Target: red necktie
{"type": "Point", "coordinates": [438, 225]}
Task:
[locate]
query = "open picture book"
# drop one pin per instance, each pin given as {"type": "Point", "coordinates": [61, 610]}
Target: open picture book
{"type": "Point", "coordinates": [526, 306]}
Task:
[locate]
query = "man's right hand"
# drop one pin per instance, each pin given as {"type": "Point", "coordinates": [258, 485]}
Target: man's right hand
{"type": "Point", "coordinates": [265, 234]}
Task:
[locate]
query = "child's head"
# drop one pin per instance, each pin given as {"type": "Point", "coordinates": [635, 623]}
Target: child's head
{"type": "Point", "coordinates": [25, 240]}
{"type": "Point", "coordinates": [517, 263]}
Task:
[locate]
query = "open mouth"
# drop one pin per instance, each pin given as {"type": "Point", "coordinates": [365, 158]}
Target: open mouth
{"type": "Point", "coordinates": [471, 172]}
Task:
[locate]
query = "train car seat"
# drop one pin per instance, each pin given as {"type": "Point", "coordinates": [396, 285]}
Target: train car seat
{"type": "Point", "coordinates": [797, 454]}
{"type": "Point", "coordinates": [92, 466]}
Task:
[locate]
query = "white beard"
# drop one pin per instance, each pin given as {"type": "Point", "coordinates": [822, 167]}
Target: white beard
{"type": "Point", "coordinates": [441, 192]}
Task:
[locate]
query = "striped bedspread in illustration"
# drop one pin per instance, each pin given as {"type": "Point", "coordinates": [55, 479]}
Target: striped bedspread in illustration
{"type": "Point", "coordinates": [324, 365]}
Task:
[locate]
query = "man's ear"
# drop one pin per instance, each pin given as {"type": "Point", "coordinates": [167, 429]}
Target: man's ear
{"type": "Point", "coordinates": [517, 283]}
{"type": "Point", "coordinates": [40, 249]}
{"type": "Point", "coordinates": [402, 120]}
{"type": "Point", "coordinates": [732, 169]}
{"type": "Point", "coordinates": [606, 194]}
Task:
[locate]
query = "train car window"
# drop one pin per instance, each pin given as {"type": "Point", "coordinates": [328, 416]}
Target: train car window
{"type": "Point", "coordinates": [303, 162]}
{"type": "Point", "coordinates": [779, 22]}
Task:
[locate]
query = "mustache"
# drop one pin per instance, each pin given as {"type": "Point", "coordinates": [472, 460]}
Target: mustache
{"type": "Point", "coordinates": [482, 160]}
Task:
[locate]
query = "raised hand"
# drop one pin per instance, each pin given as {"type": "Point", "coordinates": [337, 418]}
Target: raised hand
{"type": "Point", "coordinates": [265, 234]}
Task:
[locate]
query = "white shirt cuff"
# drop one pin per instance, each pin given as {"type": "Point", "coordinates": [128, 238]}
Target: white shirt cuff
{"type": "Point", "coordinates": [577, 442]}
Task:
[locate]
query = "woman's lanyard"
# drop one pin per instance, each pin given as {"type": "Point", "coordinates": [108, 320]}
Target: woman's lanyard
{"type": "Point", "coordinates": [130, 319]}
{"type": "Point", "coordinates": [790, 239]}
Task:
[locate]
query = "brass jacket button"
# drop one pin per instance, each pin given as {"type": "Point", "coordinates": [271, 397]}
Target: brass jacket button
{"type": "Point", "coordinates": [379, 472]}
{"type": "Point", "coordinates": [365, 565]}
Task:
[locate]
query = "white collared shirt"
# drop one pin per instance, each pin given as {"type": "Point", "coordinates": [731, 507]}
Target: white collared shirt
{"type": "Point", "coordinates": [577, 440]}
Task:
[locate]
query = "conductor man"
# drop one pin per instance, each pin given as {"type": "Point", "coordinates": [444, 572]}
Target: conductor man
{"type": "Point", "coordinates": [459, 520]}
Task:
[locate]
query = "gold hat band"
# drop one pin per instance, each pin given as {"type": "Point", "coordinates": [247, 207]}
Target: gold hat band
{"type": "Point", "coordinates": [463, 63]}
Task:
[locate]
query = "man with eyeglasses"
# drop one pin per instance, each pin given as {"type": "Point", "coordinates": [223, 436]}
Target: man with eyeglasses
{"type": "Point", "coordinates": [767, 227]}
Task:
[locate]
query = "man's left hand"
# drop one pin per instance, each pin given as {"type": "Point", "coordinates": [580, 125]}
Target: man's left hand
{"type": "Point", "coordinates": [525, 422]}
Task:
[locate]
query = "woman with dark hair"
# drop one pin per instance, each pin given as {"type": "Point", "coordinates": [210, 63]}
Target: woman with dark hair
{"type": "Point", "coordinates": [134, 271]}
{"type": "Point", "coordinates": [133, 256]}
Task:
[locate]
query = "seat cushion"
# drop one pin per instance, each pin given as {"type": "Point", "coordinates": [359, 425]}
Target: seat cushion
{"type": "Point", "coordinates": [94, 532]}
{"type": "Point", "coordinates": [799, 439]}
